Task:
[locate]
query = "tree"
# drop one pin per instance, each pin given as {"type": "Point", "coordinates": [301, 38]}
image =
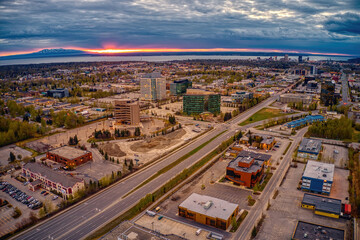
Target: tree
{"type": "Point", "coordinates": [12, 157]}
{"type": "Point", "coordinates": [137, 131]}
{"type": "Point", "coordinates": [234, 222]}
{"type": "Point", "coordinates": [172, 119]}
{"type": "Point", "coordinates": [76, 141]}
{"type": "Point", "coordinates": [106, 156]}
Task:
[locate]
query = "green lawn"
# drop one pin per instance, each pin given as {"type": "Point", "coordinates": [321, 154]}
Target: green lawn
{"type": "Point", "coordinates": [263, 114]}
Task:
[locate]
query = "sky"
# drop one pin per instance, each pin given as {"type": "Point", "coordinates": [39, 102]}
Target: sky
{"type": "Point", "coordinates": [324, 26]}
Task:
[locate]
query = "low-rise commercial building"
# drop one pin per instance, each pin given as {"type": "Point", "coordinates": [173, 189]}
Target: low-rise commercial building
{"type": "Point", "coordinates": [309, 148]}
{"type": "Point", "coordinates": [257, 156]}
{"type": "Point", "coordinates": [239, 97]}
{"type": "Point", "coordinates": [51, 179]}
{"type": "Point", "coordinates": [69, 156]}
{"type": "Point", "coordinates": [208, 210]}
{"type": "Point", "coordinates": [318, 177]}
{"type": "Point", "coordinates": [306, 230]}
{"type": "Point", "coordinates": [197, 101]}
{"type": "Point", "coordinates": [295, 98]}
{"type": "Point", "coordinates": [262, 141]}
{"type": "Point", "coordinates": [127, 112]}
{"type": "Point", "coordinates": [245, 171]}
{"type": "Point", "coordinates": [58, 93]}
{"type": "Point", "coordinates": [329, 207]}
{"type": "Point", "coordinates": [306, 120]}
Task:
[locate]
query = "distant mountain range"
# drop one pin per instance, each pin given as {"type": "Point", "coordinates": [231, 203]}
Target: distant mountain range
{"type": "Point", "coordinates": [60, 52]}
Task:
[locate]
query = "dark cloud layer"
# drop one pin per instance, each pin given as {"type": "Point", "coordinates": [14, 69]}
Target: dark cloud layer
{"type": "Point", "coordinates": [322, 25]}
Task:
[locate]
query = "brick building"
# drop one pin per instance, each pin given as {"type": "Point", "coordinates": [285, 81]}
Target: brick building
{"type": "Point", "coordinates": [50, 179]}
{"type": "Point", "coordinates": [245, 171]}
{"type": "Point", "coordinates": [69, 156]}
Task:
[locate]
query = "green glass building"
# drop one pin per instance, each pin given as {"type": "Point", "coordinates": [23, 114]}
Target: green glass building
{"type": "Point", "coordinates": [199, 103]}
{"type": "Point", "coordinates": [179, 87]}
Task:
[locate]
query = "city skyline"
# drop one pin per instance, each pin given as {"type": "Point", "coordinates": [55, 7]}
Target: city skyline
{"type": "Point", "coordinates": [149, 26]}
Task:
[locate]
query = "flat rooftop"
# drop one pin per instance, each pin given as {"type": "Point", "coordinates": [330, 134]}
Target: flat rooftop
{"type": "Point", "coordinates": [325, 204]}
{"type": "Point", "coordinates": [209, 206]}
{"type": "Point", "coordinates": [52, 175]}
{"type": "Point", "coordinates": [253, 168]}
{"type": "Point", "coordinates": [319, 170]}
{"type": "Point", "coordinates": [305, 230]}
{"type": "Point", "coordinates": [256, 156]}
{"type": "Point", "coordinates": [292, 95]}
{"type": "Point", "coordinates": [310, 146]}
{"type": "Point", "coordinates": [68, 152]}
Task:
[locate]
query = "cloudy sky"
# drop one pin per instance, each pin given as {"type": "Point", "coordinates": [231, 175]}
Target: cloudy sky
{"type": "Point", "coordinates": [327, 26]}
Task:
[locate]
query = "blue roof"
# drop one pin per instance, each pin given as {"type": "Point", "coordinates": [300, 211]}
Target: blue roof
{"type": "Point", "coordinates": [305, 120]}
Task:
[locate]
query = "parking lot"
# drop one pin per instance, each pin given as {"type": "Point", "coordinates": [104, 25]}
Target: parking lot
{"type": "Point", "coordinates": [285, 211]}
{"type": "Point", "coordinates": [206, 184]}
{"type": "Point", "coordinates": [335, 154]}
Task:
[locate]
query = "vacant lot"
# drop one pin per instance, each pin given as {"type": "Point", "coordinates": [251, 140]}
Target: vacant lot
{"type": "Point", "coordinates": [263, 114]}
{"type": "Point", "coordinates": [159, 142]}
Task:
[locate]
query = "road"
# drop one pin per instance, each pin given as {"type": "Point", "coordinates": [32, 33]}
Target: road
{"type": "Point", "coordinates": [345, 88]}
{"type": "Point", "coordinates": [255, 213]}
{"type": "Point", "coordinates": [79, 221]}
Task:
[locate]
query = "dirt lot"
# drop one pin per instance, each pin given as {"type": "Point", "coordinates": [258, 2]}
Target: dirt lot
{"type": "Point", "coordinates": [112, 149]}
{"type": "Point", "coordinates": [159, 142]}
{"type": "Point", "coordinates": [285, 211]}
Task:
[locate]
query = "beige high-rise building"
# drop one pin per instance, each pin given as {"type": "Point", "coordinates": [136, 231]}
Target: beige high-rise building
{"type": "Point", "coordinates": [127, 112]}
{"type": "Point", "coordinates": [153, 87]}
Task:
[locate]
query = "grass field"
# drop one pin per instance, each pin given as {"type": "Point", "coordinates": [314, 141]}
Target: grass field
{"type": "Point", "coordinates": [263, 114]}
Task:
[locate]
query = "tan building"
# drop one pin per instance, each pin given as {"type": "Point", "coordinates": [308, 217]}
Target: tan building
{"type": "Point", "coordinates": [153, 87]}
{"type": "Point", "coordinates": [208, 210]}
{"type": "Point", "coordinates": [127, 112]}
{"type": "Point", "coordinates": [295, 98]}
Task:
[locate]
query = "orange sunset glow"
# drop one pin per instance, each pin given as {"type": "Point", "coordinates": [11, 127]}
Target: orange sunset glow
{"type": "Point", "coordinates": [177, 50]}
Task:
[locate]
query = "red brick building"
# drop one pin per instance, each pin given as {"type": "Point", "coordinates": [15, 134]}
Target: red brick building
{"type": "Point", "coordinates": [245, 171]}
{"type": "Point", "coordinates": [51, 180]}
{"type": "Point", "coordinates": [69, 156]}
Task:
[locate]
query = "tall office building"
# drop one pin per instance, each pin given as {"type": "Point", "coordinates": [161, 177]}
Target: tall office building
{"type": "Point", "coordinates": [179, 87]}
{"type": "Point", "coordinates": [153, 87]}
{"type": "Point", "coordinates": [127, 112]}
{"type": "Point", "coordinates": [286, 57]}
{"type": "Point", "coordinates": [312, 70]}
{"type": "Point", "coordinates": [300, 59]}
{"type": "Point", "coordinates": [197, 101]}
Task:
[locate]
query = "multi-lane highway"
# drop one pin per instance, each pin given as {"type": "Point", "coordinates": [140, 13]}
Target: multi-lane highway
{"type": "Point", "coordinates": [79, 221]}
